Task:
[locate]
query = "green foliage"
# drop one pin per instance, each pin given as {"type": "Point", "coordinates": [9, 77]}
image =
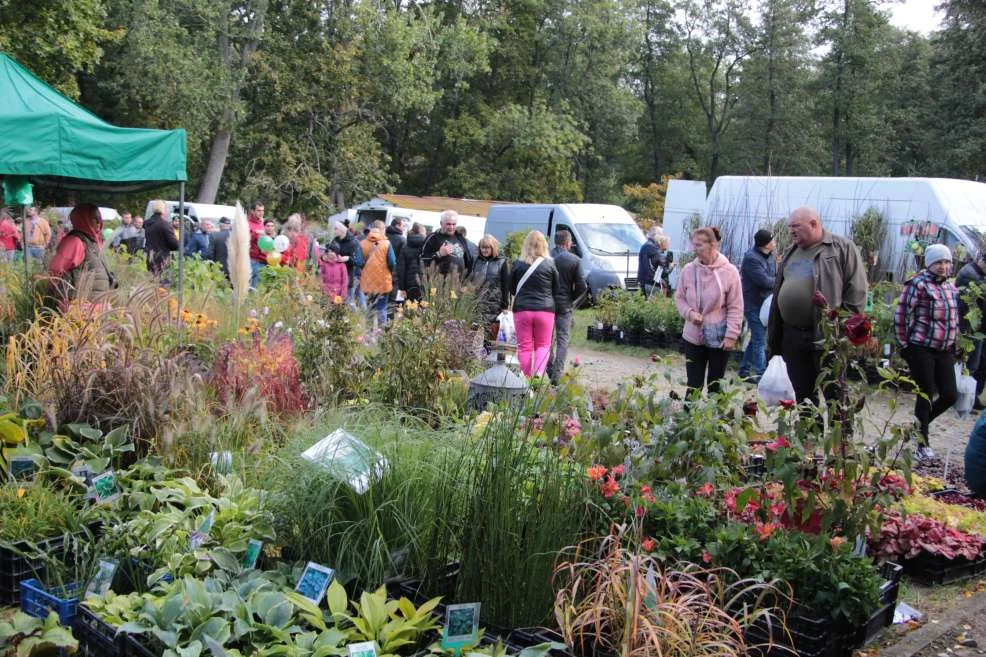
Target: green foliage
{"type": "Point", "coordinates": [40, 512]}
{"type": "Point", "coordinates": [333, 363]}
{"type": "Point", "coordinates": [25, 636]}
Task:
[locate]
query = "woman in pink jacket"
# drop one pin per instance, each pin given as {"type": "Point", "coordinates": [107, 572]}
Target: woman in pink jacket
{"type": "Point", "coordinates": [710, 299]}
{"type": "Point", "coordinates": [335, 279]}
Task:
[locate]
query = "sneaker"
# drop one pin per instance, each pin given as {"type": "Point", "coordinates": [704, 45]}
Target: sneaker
{"type": "Point", "coordinates": [924, 453]}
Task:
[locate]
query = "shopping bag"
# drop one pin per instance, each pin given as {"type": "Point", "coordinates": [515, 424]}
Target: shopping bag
{"type": "Point", "coordinates": [966, 386]}
{"type": "Point", "coordinates": [507, 333]}
{"type": "Point", "coordinates": [775, 385]}
{"type": "Point", "coordinates": [765, 310]}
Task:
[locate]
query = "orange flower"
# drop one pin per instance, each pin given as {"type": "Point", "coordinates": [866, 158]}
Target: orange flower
{"type": "Point", "coordinates": [836, 541]}
{"type": "Point", "coordinates": [765, 529]}
{"type": "Point", "coordinates": [597, 472]}
{"type": "Point", "coordinates": [441, 375]}
{"type": "Point", "coordinates": [609, 488]}
{"type": "Point", "coordinates": [648, 544]}
{"type": "Point", "coordinates": [337, 300]}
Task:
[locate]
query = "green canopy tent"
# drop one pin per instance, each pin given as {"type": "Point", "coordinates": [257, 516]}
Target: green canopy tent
{"type": "Point", "coordinates": [45, 138]}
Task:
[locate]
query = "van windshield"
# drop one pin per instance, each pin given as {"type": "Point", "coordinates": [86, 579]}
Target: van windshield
{"type": "Point", "coordinates": [612, 239]}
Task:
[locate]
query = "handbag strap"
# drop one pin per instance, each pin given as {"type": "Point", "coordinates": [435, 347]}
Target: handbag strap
{"type": "Point", "coordinates": [523, 279]}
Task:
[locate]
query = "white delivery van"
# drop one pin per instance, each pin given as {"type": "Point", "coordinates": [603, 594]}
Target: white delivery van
{"type": "Point", "coordinates": [197, 211]}
{"type": "Point", "coordinates": [939, 210]}
{"type": "Point", "coordinates": [605, 236]}
{"type": "Point", "coordinates": [475, 226]}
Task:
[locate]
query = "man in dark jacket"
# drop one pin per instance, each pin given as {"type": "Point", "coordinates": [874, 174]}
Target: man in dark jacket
{"type": "Point", "coordinates": [571, 291]}
{"type": "Point", "coordinates": [653, 256]}
{"type": "Point", "coordinates": [220, 245]}
{"type": "Point", "coordinates": [395, 233]}
{"type": "Point", "coordinates": [407, 276]}
{"type": "Point", "coordinates": [758, 273]}
{"type": "Point", "coordinates": [445, 250]}
{"type": "Point", "coordinates": [974, 272]}
{"type": "Point", "coordinates": [160, 239]}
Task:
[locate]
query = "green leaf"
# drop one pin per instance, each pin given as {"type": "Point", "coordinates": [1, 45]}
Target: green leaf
{"type": "Point", "coordinates": [336, 598]}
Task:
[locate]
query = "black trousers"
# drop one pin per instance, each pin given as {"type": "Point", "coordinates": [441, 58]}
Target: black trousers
{"type": "Point", "coordinates": [701, 361]}
{"type": "Point", "coordinates": [934, 373]}
{"type": "Point", "coordinates": [804, 362]}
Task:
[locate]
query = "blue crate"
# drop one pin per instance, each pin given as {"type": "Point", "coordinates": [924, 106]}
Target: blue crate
{"type": "Point", "coordinates": [37, 601]}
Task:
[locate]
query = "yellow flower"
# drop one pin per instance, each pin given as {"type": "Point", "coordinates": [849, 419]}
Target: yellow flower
{"type": "Point", "coordinates": [425, 304]}
{"type": "Point", "coordinates": [337, 300]}
{"type": "Point", "coordinates": [453, 296]}
{"type": "Point", "coordinates": [434, 291]}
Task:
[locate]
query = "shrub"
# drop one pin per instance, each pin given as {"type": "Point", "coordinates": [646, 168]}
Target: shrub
{"type": "Point", "coordinates": [265, 362]}
{"type": "Point", "coordinates": [332, 361]}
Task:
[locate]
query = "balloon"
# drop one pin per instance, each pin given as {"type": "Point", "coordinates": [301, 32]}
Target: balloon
{"type": "Point", "coordinates": [107, 234]}
{"type": "Point", "coordinates": [266, 244]}
{"type": "Point", "coordinates": [281, 243]}
{"type": "Point", "coordinates": [273, 259]}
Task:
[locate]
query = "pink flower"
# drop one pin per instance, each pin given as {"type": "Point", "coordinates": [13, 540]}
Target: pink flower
{"type": "Point", "coordinates": [645, 489]}
{"type": "Point", "coordinates": [640, 511]}
{"type": "Point", "coordinates": [648, 544]}
{"type": "Point", "coordinates": [705, 490]}
{"type": "Point", "coordinates": [775, 445]}
{"type": "Point", "coordinates": [777, 509]}
{"type": "Point", "coordinates": [706, 557]}
{"type": "Point", "coordinates": [577, 361]}
{"type": "Point", "coordinates": [787, 403]}
{"type": "Point", "coordinates": [618, 470]}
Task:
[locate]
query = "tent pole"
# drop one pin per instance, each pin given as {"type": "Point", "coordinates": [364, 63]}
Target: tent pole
{"type": "Point", "coordinates": [24, 245]}
{"type": "Point", "coordinates": [181, 246]}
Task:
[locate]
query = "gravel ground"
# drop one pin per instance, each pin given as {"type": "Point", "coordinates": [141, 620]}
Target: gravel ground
{"type": "Point", "coordinates": [949, 433]}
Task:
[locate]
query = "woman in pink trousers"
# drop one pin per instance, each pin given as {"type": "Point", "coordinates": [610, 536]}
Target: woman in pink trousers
{"type": "Point", "coordinates": [534, 283]}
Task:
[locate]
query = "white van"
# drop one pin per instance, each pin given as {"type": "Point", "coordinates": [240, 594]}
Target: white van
{"type": "Point", "coordinates": [605, 236]}
{"type": "Point", "coordinates": [197, 211]}
{"type": "Point", "coordinates": [939, 210]}
{"type": "Point", "coordinates": [475, 226]}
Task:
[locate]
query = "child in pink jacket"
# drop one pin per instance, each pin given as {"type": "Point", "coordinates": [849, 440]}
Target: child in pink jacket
{"type": "Point", "coordinates": [710, 299]}
{"type": "Point", "coordinates": [335, 279]}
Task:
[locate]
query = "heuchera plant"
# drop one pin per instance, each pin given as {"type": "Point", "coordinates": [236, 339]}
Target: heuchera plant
{"type": "Point", "coordinates": [908, 537]}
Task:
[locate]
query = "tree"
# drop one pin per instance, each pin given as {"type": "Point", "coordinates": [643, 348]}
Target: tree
{"type": "Point", "coordinates": [718, 38]}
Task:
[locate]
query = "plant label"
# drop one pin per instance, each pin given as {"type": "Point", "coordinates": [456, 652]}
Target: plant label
{"type": "Point", "coordinates": [85, 472]}
{"type": "Point", "coordinates": [104, 488]}
{"type": "Point", "coordinates": [349, 459]}
{"type": "Point", "coordinates": [209, 521]}
{"type": "Point", "coordinates": [222, 462]}
{"type": "Point", "coordinates": [461, 625]}
{"type": "Point", "coordinates": [315, 581]}
{"type": "Point", "coordinates": [101, 581]}
{"type": "Point", "coordinates": [23, 469]}
{"type": "Point", "coordinates": [252, 554]}
{"type": "Point", "coordinates": [362, 649]}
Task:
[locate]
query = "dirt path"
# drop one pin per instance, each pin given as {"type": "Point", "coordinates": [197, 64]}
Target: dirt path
{"type": "Point", "coordinates": [948, 433]}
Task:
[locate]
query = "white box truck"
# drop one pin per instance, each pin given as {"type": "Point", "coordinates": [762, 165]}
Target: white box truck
{"type": "Point", "coordinates": [938, 210]}
{"type": "Point", "coordinates": [605, 236]}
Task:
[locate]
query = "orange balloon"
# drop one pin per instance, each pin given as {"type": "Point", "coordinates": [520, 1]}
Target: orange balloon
{"type": "Point", "coordinates": [274, 259]}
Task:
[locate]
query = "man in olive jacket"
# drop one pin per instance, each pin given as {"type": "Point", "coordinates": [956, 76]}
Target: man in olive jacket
{"type": "Point", "coordinates": [817, 261]}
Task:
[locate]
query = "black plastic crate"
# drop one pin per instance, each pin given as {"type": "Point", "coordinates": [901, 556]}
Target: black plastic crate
{"type": "Point", "coordinates": [934, 569]}
{"type": "Point", "coordinates": [16, 567]}
{"type": "Point", "coordinates": [96, 637]}
{"type": "Point", "coordinates": [138, 645]}
{"type": "Point", "coordinates": [528, 637]}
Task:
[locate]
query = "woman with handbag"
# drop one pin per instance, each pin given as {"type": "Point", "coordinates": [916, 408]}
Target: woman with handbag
{"type": "Point", "coordinates": [710, 299]}
{"type": "Point", "coordinates": [534, 283]}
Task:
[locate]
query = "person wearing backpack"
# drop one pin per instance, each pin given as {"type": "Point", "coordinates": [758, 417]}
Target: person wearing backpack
{"type": "Point", "coordinates": [78, 267]}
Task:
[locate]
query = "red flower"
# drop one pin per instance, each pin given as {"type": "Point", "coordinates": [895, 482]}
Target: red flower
{"type": "Point", "coordinates": [653, 358]}
{"type": "Point", "coordinates": [819, 299]}
{"type": "Point", "coordinates": [648, 544]}
{"type": "Point", "coordinates": [596, 472]}
{"type": "Point", "coordinates": [645, 489]}
{"type": "Point", "coordinates": [858, 328]}
{"type": "Point", "coordinates": [833, 314]}
{"type": "Point", "coordinates": [765, 529]}
{"type": "Point", "coordinates": [618, 470]}
{"type": "Point", "coordinates": [777, 509]}
{"type": "Point", "coordinates": [649, 498]}
{"type": "Point", "coordinates": [706, 557]}
{"type": "Point", "coordinates": [705, 490]}
{"type": "Point", "coordinates": [640, 511]}
{"type": "Point", "coordinates": [609, 488]}
{"type": "Point", "coordinates": [787, 403]}
{"type": "Point", "coordinates": [775, 445]}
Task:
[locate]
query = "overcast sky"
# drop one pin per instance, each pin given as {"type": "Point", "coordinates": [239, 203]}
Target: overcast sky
{"type": "Point", "coordinates": [917, 15]}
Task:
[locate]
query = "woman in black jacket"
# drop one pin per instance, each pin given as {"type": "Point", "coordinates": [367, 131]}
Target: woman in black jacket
{"type": "Point", "coordinates": [534, 282]}
{"type": "Point", "coordinates": [407, 276]}
{"type": "Point", "coordinates": [491, 276]}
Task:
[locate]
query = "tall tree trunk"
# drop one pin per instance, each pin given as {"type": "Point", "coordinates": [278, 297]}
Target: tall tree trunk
{"type": "Point", "coordinates": [217, 156]}
{"type": "Point", "coordinates": [768, 151]}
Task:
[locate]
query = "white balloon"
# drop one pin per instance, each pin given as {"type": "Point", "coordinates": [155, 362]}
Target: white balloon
{"type": "Point", "coordinates": [281, 243]}
{"type": "Point", "coordinates": [765, 310]}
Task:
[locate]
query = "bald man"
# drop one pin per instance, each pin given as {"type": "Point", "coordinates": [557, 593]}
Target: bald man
{"type": "Point", "coordinates": [817, 261]}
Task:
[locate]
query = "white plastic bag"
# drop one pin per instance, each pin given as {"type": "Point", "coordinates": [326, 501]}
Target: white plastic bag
{"type": "Point", "coordinates": [966, 385]}
{"type": "Point", "coordinates": [765, 310]}
{"type": "Point", "coordinates": [775, 385]}
{"type": "Point", "coordinates": [507, 333]}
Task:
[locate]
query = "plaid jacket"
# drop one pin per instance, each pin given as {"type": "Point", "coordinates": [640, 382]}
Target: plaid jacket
{"type": "Point", "coordinates": [927, 313]}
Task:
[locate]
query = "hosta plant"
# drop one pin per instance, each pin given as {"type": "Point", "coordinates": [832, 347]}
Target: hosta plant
{"type": "Point", "coordinates": [391, 624]}
{"type": "Point", "coordinates": [25, 636]}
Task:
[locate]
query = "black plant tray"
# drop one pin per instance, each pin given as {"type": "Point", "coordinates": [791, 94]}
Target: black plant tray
{"type": "Point", "coordinates": [528, 637]}
{"type": "Point", "coordinates": [14, 568]}
{"type": "Point", "coordinates": [96, 637]}
{"type": "Point", "coordinates": [934, 569]}
{"type": "Point", "coordinates": [137, 645]}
